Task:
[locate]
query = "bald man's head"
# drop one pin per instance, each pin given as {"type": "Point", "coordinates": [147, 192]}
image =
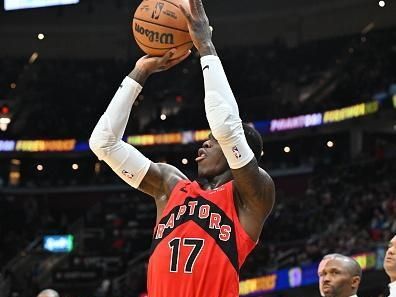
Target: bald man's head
{"type": "Point", "coordinates": [339, 276]}
{"type": "Point", "coordinates": [48, 293]}
{"type": "Point", "coordinates": [349, 263]}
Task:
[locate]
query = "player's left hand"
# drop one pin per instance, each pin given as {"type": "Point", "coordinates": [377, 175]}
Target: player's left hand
{"type": "Point", "coordinates": [198, 24]}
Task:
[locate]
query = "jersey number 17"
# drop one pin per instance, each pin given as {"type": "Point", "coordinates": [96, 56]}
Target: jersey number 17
{"type": "Point", "coordinates": [175, 246]}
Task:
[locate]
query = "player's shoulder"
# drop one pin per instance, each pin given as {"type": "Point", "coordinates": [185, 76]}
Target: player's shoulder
{"type": "Point", "coordinates": [171, 171]}
{"type": "Point", "coordinates": [171, 176]}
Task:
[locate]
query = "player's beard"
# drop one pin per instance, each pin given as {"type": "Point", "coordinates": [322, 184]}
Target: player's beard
{"type": "Point", "coordinates": [331, 291]}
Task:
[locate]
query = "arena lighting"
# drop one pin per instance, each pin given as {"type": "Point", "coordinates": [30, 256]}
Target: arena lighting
{"type": "Point", "coordinates": [381, 3]}
{"type": "Point", "coordinates": [15, 162]}
{"type": "Point", "coordinates": [75, 166]}
{"type": "Point", "coordinates": [302, 121]}
{"type": "Point", "coordinates": [7, 145]}
{"type": "Point", "coordinates": [40, 167]}
{"type": "Point", "coordinates": [286, 149]}
{"type": "Point", "coordinates": [184, 161]}
{"type": "Point", "coordinates": [152, 139]}
{"type": "Point", "coordinates": [13, 85]}
{"type": "Point", "coordinates": [58, 243]}
{"type": "Point", "coordinates": [4, 109]}
{"type": "Point", "coordinates": [97, 167]}
{"type": "Point", "coordinates": [366, 260]}
{"type": "Point", "coordinates": [330, 143]}
{"type": "Point", "coordinates": [5, 120]}
{"type": "Point", "coordinates": [65, 145]}
{"type": "Point", "coordinates": [4, 123]}
{"type": "Point", "coordinates": [22, 4]}
{"type": "Point", "coordinates": [368, 28]}
{"type": "Point", "coordinates": [33, 58]}
{"type": "Point", "coordinates": [163, 117]}
{"type": "Point", "coordinates": [191, 136]}
{"type": "Point", "coordinates": [40, 36]}
{"type": "Point", "coordinates": [350, 112]}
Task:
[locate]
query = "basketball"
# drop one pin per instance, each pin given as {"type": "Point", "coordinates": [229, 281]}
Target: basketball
{"type": "Point", "coordinates": [159, 25]}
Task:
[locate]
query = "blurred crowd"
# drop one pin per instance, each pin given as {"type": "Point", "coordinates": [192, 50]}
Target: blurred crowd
{"type": "Point", "coordinates": [346, 208]}
{"type": "Point", "coordinates": [65, 98]}
{"type": "Point", "coordinates": [25, 218]}
{"type": "Point", "coordinates": [338, 205]}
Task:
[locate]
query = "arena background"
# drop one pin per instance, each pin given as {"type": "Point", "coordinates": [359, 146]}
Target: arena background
{"type": "Point", "coordinates": [316, 78]}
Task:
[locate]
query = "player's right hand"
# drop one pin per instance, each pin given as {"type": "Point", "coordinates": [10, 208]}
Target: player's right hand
{"type": "Point", "coordinates": [198, 24]}
{"type": "Point", "coordinates": [148, 65]}
{"type": "Point", "coordinates": [151, 64]}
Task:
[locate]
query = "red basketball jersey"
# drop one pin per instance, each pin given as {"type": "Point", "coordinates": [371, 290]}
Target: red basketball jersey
{"type": "Point", "coordinates": [198, 245]}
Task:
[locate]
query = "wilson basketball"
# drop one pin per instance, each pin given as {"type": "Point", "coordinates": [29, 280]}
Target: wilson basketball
{"type": "Point", "coordinates": [159, 25]}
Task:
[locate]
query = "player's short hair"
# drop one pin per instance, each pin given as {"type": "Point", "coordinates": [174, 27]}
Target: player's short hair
{"type": "Point", "coordinates": [254, 140]}
{"type": "Point", "coordinates": [350, 263]}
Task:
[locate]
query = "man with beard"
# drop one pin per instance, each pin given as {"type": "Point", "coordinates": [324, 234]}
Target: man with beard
{"type": "Point", "coordinates": [339, 276]}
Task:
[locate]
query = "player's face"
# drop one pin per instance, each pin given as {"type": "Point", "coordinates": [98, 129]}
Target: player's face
{"type": "Point", "coordinates": [390, 257]}
{"type": "Point", "coordinates": [211, 160]}
{"type": "Point", "coordinates": [334, 279]}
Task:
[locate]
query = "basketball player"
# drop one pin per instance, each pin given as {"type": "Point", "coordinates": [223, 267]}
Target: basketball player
{"type": "Point", "coordinates": [390, 266]}
{"type": "Point", "coordinates": [339, 276]}
{"type": "Point", "coordinates": [48, 293]}
{"type": "Point", "coordinates": [205, 229]}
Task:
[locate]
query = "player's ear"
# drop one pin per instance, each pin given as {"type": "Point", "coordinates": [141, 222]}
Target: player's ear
{"type": "Point", "coordinates": [355, 282]}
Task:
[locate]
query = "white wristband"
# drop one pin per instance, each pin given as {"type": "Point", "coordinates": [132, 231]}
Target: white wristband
{"type": "Point", "coordinates": [237, 150]}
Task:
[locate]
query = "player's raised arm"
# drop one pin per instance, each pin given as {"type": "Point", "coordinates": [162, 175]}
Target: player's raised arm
{"type": "Point", "coordinates": [253, 184]}
{"type": "Point", "coordinates": [157, 180]}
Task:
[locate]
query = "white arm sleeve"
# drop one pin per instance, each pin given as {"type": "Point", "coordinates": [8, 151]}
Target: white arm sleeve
{"type": "Point", "coordinates": [392, 289]}
{"type": "Point", "coordinates": [106, 139]}
{"type": "Point", "coordinates": [223, 114]}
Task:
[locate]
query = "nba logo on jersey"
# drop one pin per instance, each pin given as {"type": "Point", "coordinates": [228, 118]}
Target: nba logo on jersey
{"type": "Point", "coordinates": [236, 152]}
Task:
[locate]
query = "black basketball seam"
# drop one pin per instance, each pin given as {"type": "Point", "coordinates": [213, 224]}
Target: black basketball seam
{"type": "Point", "coordinates": [169, 27]}
{"type": "Point", "coordinates": [162, 48]}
